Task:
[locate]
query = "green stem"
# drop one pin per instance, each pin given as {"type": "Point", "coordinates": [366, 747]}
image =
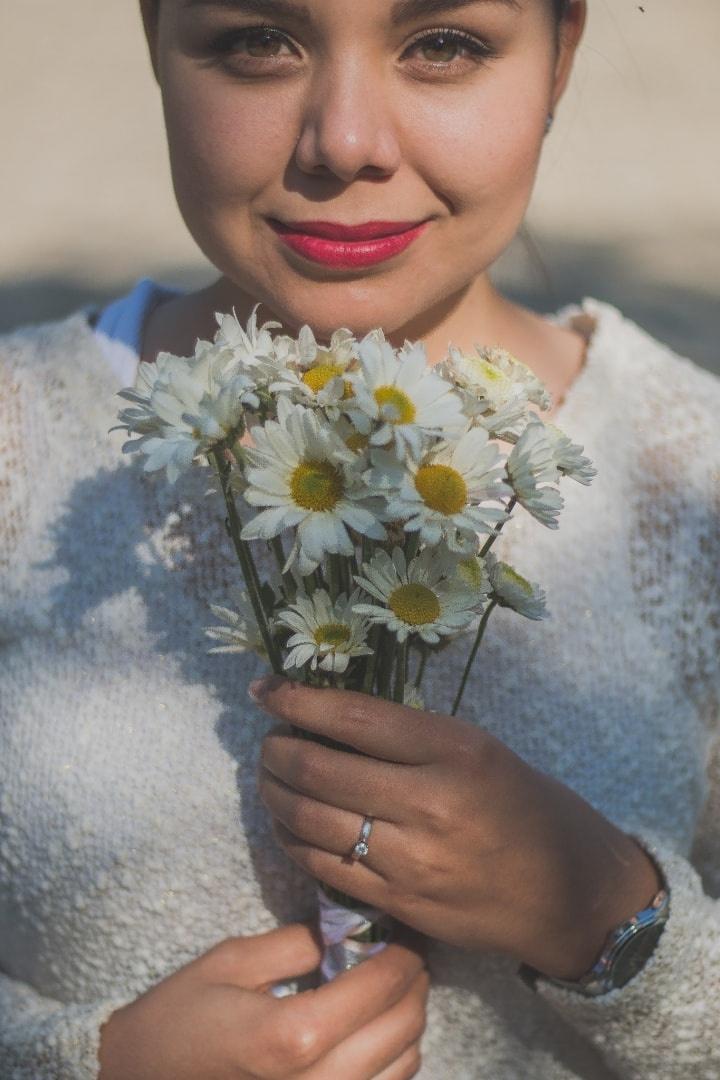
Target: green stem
{"type": "Point", "coordinates": [412, 545]}
{"type": "Point", "coordinates": [333, 574]}
{"type": "Point", "coordinates": [346, 573]}
{"type": "Point", "coordinates": [386, 652]}
{"type": "Point", "coordinates": [247, 565]}
{"type": "Point", "coordinates": [371, 661]}
{"type": "Point", "coordinates": [278, 552]}
{"type": "Point", "coordinates": [400, 666]}
{"type": "Point", "coordinates": [498, 528]}
{"type": "Point", "coordinates": [421, 666]}
{"type": "Point", "coordinates": [367, 548]}
{"type": "Point", "coordinates": [376, 931]}
{"type": "Point", "coordinates": [288, 580]}
{"type": "Point", "coordinates": [473, 651]}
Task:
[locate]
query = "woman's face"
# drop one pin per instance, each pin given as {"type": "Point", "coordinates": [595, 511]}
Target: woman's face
{"type": "Point", "coordinates": [349, 112]}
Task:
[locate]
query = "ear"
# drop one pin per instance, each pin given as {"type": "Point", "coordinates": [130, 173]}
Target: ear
{"type": "Point", "coordinates": [570, 33]}
{"type": "Point", "coordinates": [150, 11]}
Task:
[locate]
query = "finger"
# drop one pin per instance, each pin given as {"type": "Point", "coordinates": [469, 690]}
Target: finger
{"type": "Point", "coordinates": [338, 1009]}
{"type": "Point", "coordinates": [378, 1045]}
{"type": "Point", "coordinates": [329, 827]}
{"type": "Point", "coordinates": [405, 1067]}
{"type": "Point", "coordinates": [352, 782]}
{"type": "Point", "coordinates": [262, 959]}
{"type": "Point", "coordinates": [352, 876]}
{"type": "Point", "coordinates": [384, 729]}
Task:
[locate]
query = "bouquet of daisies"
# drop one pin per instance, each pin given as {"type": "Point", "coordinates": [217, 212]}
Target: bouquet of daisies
{"type": "Point", "coordinates": [378, 485]}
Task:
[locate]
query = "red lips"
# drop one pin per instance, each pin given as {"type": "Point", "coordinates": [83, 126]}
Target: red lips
{"type": "Point", "coordinates": [348, 246]}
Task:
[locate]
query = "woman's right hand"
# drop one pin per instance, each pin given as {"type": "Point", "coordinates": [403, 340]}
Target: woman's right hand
{"type": "Point", "coordinates": [214, 1018]}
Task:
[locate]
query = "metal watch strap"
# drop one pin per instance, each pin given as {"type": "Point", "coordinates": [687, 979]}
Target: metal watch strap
{"type": "Point", "coordinates": [619, 960]}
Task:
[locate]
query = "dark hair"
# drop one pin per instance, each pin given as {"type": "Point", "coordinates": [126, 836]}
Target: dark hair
{"type": "Point", "coordinates": [560, 7]}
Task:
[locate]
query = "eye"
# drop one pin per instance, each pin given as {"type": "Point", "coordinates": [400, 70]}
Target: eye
{"type": "Point", "coordinates": [444, 48]}
{"type": "Point", "coordinates": [251, 46]}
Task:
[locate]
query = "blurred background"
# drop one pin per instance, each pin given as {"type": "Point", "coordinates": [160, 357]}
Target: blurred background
{"type": "Point", "coordinates": [626, 209]}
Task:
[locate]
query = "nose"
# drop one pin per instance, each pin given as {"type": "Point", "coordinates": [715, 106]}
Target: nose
{"type": "Point", "coordinates": [347, 127]}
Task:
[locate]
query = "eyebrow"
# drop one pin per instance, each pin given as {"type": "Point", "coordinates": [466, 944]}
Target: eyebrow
{"type": "Point", "coordinates": [402, 10]}
{"type": "Point", "coordinates": [405, 10]}
{"type": "Point", "coordinates": [268, 8]}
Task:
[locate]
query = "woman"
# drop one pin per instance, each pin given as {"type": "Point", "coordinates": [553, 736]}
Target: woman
{"type": "Point", "coordinates": [157, 835]}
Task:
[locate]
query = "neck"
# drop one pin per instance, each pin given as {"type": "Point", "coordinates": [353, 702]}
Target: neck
{"type": "Point", "coordinates": [476, 314]}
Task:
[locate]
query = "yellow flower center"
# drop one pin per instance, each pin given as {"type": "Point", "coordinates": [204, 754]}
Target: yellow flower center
{"type": "Point", "coordinates": [441, 488]}
{"type": "Point", "coordinates": [415, 604]}
{"type": "Point", "coordinates": [357, 441]}
{"type": "Point", "coordinates": [487, 372]}
{"type": "Point", "coordinates": [316, 485]}
{"type": "Point", "coordinates": [490, 371]}
{"type": "Point", "coordinates": [395, 406]}
{"type": "Point", "coordinates": [471, 570]}
{"type": "Point", "coordinates": [334, 634]}
{"type": "Point", "coordinates": [517, 580]}
{"type": "Point", "coordinates": [320, 375]}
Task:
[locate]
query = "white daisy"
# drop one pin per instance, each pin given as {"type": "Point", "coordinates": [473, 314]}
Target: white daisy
{"type": "Point", "coordinates": [341, 350]}
{"type": "Point", "coordinates": [413, 697]}
{"type": "Point", "coordinates": [189, 406]}
{"type": "Point", "coordinates": [327, 635]}
{"type": "Point", "coordinates": [399, 399]}
{"type": "Point", "coordinates": [306, 476]}
{"type": "Point", "coordinates": [530, 464]}
{"type": "Point", "coordinates": [569, 456]}
{"type": "Point", "coordinates": [512, 590]}
{"type": "Point", "coordinates": [313, 374]}
{"type": "Point", "coordinates": [472, 571]}
{"type": "Point", "coordinates": [507, 423]}
{"type": "Point", "coordinates": [445, 495]}
{"type": "Point", "coordinates": [424, 598]}
{"type": "Point", "coordinates": [143, 420]}
{"type": "Point", "coordinates": [240, 632]}
{"type": "Point", "coordinates": [251, 346]}
{"type": "Point", "coordinates": [496, 377]}
{"type": "Point", "coordinates": [355, 440]}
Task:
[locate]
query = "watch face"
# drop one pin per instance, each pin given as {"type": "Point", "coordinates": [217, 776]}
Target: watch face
{"type": "Point", "coordinates": [631, 957]}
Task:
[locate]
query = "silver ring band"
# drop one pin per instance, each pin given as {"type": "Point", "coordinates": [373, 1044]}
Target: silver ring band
{"type": "Point", "coordinates": [361, 847]}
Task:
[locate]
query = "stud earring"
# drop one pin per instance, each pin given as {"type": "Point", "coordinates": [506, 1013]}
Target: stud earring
{"type": "Point", "coordinates": [549, 121]}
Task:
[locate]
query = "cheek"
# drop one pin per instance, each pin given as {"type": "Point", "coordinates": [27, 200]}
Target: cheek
{"type": "Point", "coordinates": [480, 150]}
{"type": "Point", "coordinates": [226, 146]}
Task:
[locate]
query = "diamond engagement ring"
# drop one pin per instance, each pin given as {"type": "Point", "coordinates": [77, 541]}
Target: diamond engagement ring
{"type": "Point", "coordinates": [361, 847]}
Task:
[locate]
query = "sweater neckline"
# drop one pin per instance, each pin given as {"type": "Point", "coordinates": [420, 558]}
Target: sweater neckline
{"type": "Point", "coordinates": [602, 317]}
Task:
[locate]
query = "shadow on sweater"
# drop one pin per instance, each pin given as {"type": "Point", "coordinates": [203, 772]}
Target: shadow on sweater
{"type": "Point", "coordinates": [167, 556]}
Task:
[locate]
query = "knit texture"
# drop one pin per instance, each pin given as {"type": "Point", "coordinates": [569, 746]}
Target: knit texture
{"type": "Point", "coordinates": [132, 836]}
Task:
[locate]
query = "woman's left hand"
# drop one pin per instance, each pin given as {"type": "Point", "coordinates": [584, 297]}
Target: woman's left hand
{"type": "Point", "coordinates": [469, 844]}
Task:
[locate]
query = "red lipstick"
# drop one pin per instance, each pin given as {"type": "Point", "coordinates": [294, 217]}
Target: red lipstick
{"type": "Point", "coordinates": [348, 246]}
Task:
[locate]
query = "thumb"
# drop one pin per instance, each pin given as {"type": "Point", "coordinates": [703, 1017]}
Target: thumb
{"type": "Point", "coordinates": [254, 963]}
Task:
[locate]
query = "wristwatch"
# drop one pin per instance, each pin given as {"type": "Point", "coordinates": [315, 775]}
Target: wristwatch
{"type": "Point", "coordinates": [625, 952]}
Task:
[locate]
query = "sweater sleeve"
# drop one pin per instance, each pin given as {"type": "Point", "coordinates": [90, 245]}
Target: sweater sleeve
{"type": "Point", "coordinates": [45, 1039]}
{"type": "Point", "coordinates": [664, 1024]}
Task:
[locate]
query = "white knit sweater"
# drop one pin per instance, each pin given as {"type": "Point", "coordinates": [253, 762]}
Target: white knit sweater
{"type": "Point", "coordinates": [132, 837]}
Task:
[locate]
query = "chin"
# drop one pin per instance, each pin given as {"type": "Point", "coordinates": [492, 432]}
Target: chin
{"type": "Point", "coordinates": [360, 304]}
